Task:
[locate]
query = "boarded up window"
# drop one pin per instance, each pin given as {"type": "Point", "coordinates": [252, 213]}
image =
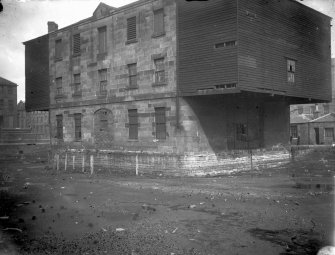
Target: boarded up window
{"type": "Point", "coordinates": [329, 133]}
{"type": "Point", "coordinates": [76, 83]}
{"type": "Point", "coordinates": [77, 126]}
{"type": "Point", "coordinates": [159, 22]}
{"type": "Point", "coordinates": [132, 71]}
{"type": "Point", "coordinates": [76, 44]}
{"type": "Point", "coordinates": [291, 70]}
{"type": "Point", "coordinates": [159, 70]}
{"type": "Point", "coordinates": [294, 131]}
{"type": "Point", "coordinates": [102, 39]}
{"type": "Point", "coordinates": [133, 124]}
{"type": "Point", "coordinates": [131, 28]}
{"type": "Point", "coordinates": [59, 86]}
{"type": "Point", "coordinates": [59, 119]}
{"type": "Point", "coordinates": [58, 49]}
{"type": "Point", "coordinates": [103, 81]}
{"type": "Point", "coordinates": [160, 122]}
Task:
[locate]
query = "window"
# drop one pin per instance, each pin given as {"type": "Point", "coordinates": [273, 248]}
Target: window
{"type": "Point", "coordinates": [1, 104]}
{"type": "Point", "coordinates": [300, 109]}
{"type": "Point", "coordinates": [10, 90]}
{"type": "Point", "coordinates": [58, 49]}
{"type": "Point", "coordinates": [159, 22]}
{"type": "Point", "coordinates": [103, 81]}
{"type": "Point", "coordinates": [241, 132]}
{"type": "Point", "coordinates": [290, 70]}
{"type": "Point", "coordinates": [329, 132]}
{"type": "Point", "coordinates": [76, 44]}
{"type": "Point", "coordinates": [312, 109]}
{"type": "Point", "coordinates": [10, 105]}
{"type": "Point", "coordinates": [132, 71]}
{"type": "Point", "coordinates": [159, 71]}
{"type": "Point", "coordinates": [59, 120]}
{"type": "Point", "coordinates": [131, 28]}
{"type": "Point", "coordinates": [59, 86]}
{"type": "Point", "coordinates": [102, 47]}
{"type": "Point", "coordinates": [325, 108]}
{"type": "Point", "coordinates": [77, 126]}
{"type": "Point", "coordinates": [76, 83]}
{"type": "Point", "coordinates": [133, 124]}
{"type": "Point", "coordinates": [294, 131]}
{"type": "Point", "coordinates": [103, 119]}
{"type": "Point", "coordinates": [160, 122]}
{"type": "Point", "coordinates": [225, 44]}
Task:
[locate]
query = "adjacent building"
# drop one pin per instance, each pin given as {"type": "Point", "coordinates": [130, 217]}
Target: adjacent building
{"type": "Point", "coordinates": [8, 97]}
{"type": "Point", "coordinates": [181, 77]}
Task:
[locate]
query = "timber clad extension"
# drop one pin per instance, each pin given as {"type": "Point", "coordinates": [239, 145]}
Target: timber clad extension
{"type": "Point", "coordinates": [186, 77]}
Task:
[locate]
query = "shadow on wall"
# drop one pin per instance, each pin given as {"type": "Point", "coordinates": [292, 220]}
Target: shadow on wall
{"type": "Point", "coordinates": [228, 122]}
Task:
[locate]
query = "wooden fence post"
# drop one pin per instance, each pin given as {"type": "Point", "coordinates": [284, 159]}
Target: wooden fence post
{"type": "Point", "coordinates": [136, 164]}
{"type": "Point", "coordinates": [57, 162]}
{"type": "Point", "coordinates": [73, 159]}
{"type": "Point", "coordinates": [65, 164]}
{"type": "Point", "coordinates": [92, 164]}
{"type": "Point", "coordinates": [83, 164]}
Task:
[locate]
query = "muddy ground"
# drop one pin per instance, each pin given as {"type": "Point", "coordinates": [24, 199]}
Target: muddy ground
{"type": "Point", "coordinates": [284, 210]}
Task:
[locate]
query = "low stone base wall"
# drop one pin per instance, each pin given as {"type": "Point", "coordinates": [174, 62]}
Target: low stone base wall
{"type": "Point", "coordinates": [141, 163]}
{"type": "Point", "coordinates": [28, 152]}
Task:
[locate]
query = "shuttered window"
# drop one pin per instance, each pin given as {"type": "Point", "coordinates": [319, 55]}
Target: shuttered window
{"type": "Point", "coordinates": [160, 123]}
{"type": "Point", "coordinates": [103, 81]}
{"type": "Point", "coordinates": [159, 70]}
{"type": "Point", "coordinates": [132, 72]}
{"type": "Point", "coordinates": [77, 126]}
{"type": "Point", "coordinates": [59, 120]}
{"type": "Point", "coordinates": [131, 28]}
{"type": "Point", "coordinates": [58, 49]}
{"type": "Point", "coordinates": [59, 86]}
{"type": "Point", "coordinates": [102, 39]}
{"type": "Point", "coordinates": [76, 44]}
{"type": "Point", "coordinates": [159, 22]}
{"type": "Point", "coordinates": [133, 124]}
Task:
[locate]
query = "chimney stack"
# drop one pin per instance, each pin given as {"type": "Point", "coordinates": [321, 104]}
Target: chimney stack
{"type": "Point", "coordinates": [52, 26]}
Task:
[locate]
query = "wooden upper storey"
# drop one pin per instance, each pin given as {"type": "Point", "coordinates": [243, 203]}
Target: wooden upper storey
{"type": "Point", "coordinates": [266, 46]}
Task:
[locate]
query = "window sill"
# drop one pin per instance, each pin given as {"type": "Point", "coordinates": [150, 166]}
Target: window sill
{"type": "Point", "coordinates": [158, 35]}
{"type": "Point", "coordinates": [77, 94]}
{"type": "Point", "coordinates": [131, 88]}
{"type": "Point", "coordinates": [131, 41]}
{"type": "Point", "coordinates": [59, 96]}
{"type": "Point", "coordinates": [160, 84]}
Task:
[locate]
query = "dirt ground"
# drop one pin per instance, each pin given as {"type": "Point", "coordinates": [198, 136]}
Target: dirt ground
{"type": "Point", "coordinates": [286, 210]}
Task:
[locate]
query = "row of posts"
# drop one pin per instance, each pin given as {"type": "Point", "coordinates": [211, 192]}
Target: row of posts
{"type": "Point", "coordinates": [57, 160]}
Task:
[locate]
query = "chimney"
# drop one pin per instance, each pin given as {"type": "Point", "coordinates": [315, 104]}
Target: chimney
{"type": "Point", "coordinates": [52, 26]}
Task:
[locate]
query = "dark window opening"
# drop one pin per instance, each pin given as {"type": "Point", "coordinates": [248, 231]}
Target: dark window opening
{"type": "Point", "coordinates": [59, 120]}
{"type": "Point", "coordinates": [226, 44]}
{"type": "Point", "coordinates": [59, 86]}
{"type": "Point", "coordinates": [76, 83]}
{"type": "Point", "coordinates": [103, 119]}
{"type": "Point", "coordinates": [102, 39]}
{"type": "Point", "coordinates": [160, 121]}
{"type": "Point", "coordinates": [58, 49]}
{"type": "Point", "coordinates": [291, 70]}
{"type": "Point", "coordinates": [329, 133]}
{"type": "Point", "coordinates": [77, 126]}
{"type": "Point", "coordinates": [294, 131]}
{"type": "Point", "coordinates": [159, 22]}
{"type": "Point", "coordinates": [133, 124]}
{"type": "Point", "coordinates": [226, 86]}
{"type": "Point", "coordinates": [241, 132]}
{"type": "Point", "coordinates": [325, 108]}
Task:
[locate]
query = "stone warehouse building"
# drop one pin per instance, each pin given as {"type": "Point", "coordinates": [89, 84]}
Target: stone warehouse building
{"type": "Point", "coordinates": [189, 80]}
{"type": "Point", "coordinates": [8, 97]}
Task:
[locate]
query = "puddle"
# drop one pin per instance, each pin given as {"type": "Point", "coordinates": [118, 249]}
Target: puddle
{"type": "Point", "coordinates": [298, 242]}
{"type": "Point", "coordinates": [315, 186]}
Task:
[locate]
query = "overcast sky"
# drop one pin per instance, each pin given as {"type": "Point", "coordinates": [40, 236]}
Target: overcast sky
{"type": "Point", "coordinates": [22, 20]}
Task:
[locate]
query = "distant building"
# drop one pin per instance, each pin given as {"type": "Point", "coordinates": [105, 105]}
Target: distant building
{"type": "Point", "coordinates": [314, 123]}
{"type": "Point", "coordinates": [180, 77]}
{"type": "Point", "coordinates": [8, 98]}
